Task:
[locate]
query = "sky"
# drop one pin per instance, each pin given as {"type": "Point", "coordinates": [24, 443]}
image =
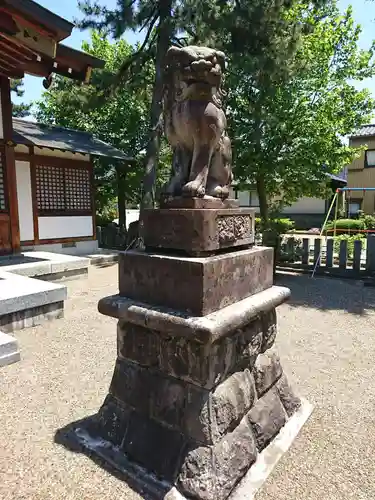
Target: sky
{"type": "Point", "coordinates": [364, 14]}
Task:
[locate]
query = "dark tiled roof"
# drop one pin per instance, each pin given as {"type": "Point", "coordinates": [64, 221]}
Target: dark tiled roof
{"type": "Point", "coordinates": [37, 134]}
{"type": "Point", "coordinates": [364, 131]}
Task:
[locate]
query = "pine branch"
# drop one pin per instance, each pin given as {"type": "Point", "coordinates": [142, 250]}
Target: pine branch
{"type": "Point", "coordinates": [141, 54]}
{"type": "Point", "coordinates": [150, 18]}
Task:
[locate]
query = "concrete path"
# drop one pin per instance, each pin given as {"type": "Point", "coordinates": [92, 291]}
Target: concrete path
{"type": "Point", "coordinates": [327, 344]}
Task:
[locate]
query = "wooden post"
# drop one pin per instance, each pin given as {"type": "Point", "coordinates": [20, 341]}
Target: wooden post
{"type": "Point", "coordinates": [357, 255]}
{"type": "Point", "coordinates": [10, 163]}
{"type": "Point", "coordinates": [34, 195]}
{"type": "Point", "coordinates": [343, 254]}
{"type": "Point", "coordinates": [370, 253]}
{"type": "Point", "coordinates": [305, 251]}
{"type": "Point", "coordinates": [317, 256]}
{"type": "Point", "coordinates": [329, 253]}
{"type": "Point", "coordinates": [93, 201]}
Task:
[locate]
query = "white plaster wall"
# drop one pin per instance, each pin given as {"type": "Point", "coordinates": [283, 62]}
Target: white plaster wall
{"type": "Point", "coordinates": [24, 198]}
{"type": "Point", "coordinates": [1, 120]}
{"type": "Point", "coordinates": [307, 205]}
{"type": "Point", "coordinates": [248, 199]}
{"type": "Point", "coordinates": [21, 148]}
{"type": "Point", "coordinates": [304, 205]}
{"type": "Point", "coordinates": [65, 227]}
{"type": "Point", "coordinates": [243, 198]}
{"type": "Point", "coordinates": [61, 154]}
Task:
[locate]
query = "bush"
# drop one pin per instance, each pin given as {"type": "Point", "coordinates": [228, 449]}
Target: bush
{"type": "Point", "coordinates": [106, 217]}
{"type": "Point", "coordinates": [369, 220]}
{"type": "Point", "coordinates": [350, 239]}
{"type": "Point", "coordinates": [345, 226]}
{"type": "Point", "coordinates": [279, 226]}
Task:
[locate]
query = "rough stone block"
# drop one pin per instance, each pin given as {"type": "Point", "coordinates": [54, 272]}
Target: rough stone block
{"type": "Point", "coordinates": [168, 401]}
{"type": "Point", "coordinates": [269, 328]}
{"type": "Point", "coordinates": [198, 231]}
{"type": "Point", "coordinates": [248, 344]}
{"type": "Point", "coordinates": [185, 359]}
{"type": "Point", "coordinates": [149, 392]}
{"type": "Point", "coordinates": [132, 385]}
{"type": "Point", "coordinates": [267, 417]}
{"type": "Point", "coordinates": [206, 365]}
{"type": "Point", "coordinates": [138, 343]}
{"type": "Point", "coordinates": [179, 357]}
{"type": "Point", "coordinates": [267, 371]}
{"type": "Point", "coordinates": [210, 473]}
{"type": "Point", "coordinates": [197, 286]}
{"type": "Point", "coordinates": [112, 421]}
{"type": "Point", "coordinates": [209, 416]}
{"type": "Point", "coordinates": [198, 418]}
{"type": "Point", "coordinates": [154, 446]}
{"type": "Point", "coordinates": [231, 401]}
{"type": "Point", "coordinates": [290, 401]}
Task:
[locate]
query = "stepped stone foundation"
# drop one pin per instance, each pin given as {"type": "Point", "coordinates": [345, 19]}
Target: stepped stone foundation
{"type": "Point", "coordinates": [198, 390]}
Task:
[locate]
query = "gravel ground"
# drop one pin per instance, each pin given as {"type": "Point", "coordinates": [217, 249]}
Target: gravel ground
{"type": "Point", "coordinates": [327, 349]}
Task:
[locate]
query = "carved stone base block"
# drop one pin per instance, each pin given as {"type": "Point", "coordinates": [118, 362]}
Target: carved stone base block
{"type": "Point", "coordinates": [198, 285]}
{"type": "Point", "coordinates": [198, 231]}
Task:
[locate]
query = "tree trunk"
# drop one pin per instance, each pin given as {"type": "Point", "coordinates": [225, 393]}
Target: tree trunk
{"type": "Point", "coordinates": [153, 147]}
{"type": "Point", "coordinates": [269, 237]}
{"type": "Point", "coordinates": [263, 204]}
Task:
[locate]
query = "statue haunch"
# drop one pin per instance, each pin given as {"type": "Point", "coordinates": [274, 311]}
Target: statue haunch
{"type": "Point", "coordinates": [195, 123]}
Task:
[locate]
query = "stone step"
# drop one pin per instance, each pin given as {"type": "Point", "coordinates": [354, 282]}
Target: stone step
{"type": "Point", "coordinates": [9, 352]}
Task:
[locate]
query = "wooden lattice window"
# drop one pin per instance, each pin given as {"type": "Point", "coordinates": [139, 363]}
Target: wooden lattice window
{"type": "Point", "coordinates": [63, 190]}
{"type": "Point", "coordinates": [3, 199]}
{"type": "Point", "coordinates": [77, 189]}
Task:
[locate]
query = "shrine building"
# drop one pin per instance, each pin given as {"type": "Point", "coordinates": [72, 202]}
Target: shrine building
{"type": "Point", "coordinates": [46, 173]}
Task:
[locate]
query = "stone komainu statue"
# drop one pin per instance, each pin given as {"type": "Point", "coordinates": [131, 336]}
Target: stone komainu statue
{"type": "Point", "coordinates": [195, 123]}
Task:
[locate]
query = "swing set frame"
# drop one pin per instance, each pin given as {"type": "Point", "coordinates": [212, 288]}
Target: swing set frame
{"type": "Point", "coordinates": [334, 203]}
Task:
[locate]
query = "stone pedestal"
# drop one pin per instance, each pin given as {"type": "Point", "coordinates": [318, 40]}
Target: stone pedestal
{"type": "Point", "coordinates": [197, 391]}
{"type": "Point", "coordinates": [198, 231]}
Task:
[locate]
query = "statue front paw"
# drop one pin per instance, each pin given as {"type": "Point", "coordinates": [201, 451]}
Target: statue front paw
{"type": "Point", "coordinates": [193, 189]}
{"type": "Point", "coordinates": [221, 192]}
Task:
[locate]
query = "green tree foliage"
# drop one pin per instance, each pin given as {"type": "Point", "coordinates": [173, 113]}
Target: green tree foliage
{"type": "Point", "coordinates": [261, 32]}
{"type": "Point", "coordinates": [19, 110]}
{"type": "Point", "coordinates": [119, 118]}
{"type": "Point", "coordinates": [288, 119]}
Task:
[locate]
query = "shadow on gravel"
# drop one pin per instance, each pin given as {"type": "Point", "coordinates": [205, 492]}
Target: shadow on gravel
{"type": "Point", "coordinates": [68, 437]}
{"type": "Point", "coordinates": [328, 293]}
